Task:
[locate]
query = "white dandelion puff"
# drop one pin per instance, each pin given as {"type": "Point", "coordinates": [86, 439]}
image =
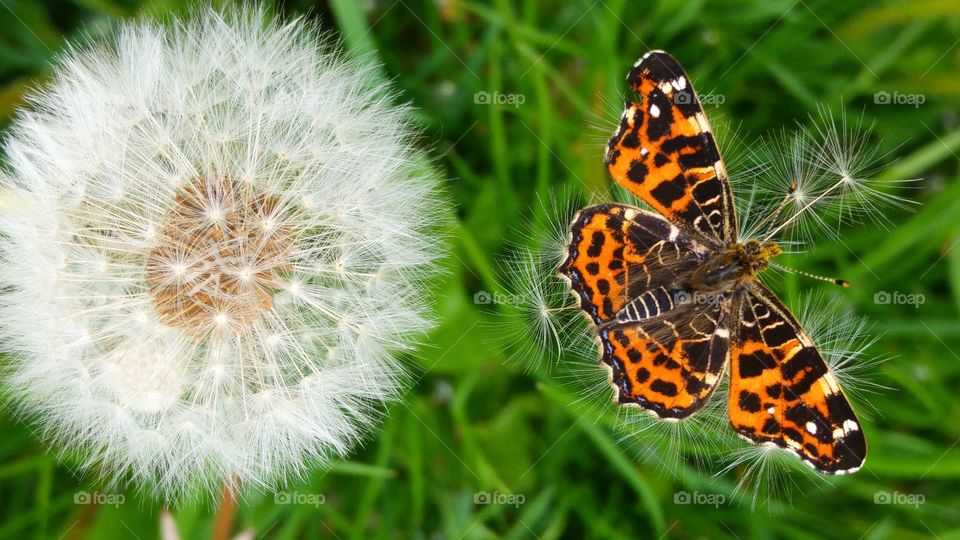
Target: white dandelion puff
{"type": "Point", "coordinates": [214, 240]}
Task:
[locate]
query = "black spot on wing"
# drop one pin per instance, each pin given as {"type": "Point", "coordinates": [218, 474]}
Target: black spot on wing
{"type": "Point", "coordinates": [748, 401]}
{"type": "Point", "coordinates": [596, 244]}
{"type": "Point", "coordinates": [603, 286]}
{"type": "Point", "coordinates": [637, 172]}
{"type": "Point", "coordinates": [664, 387]}
{"type": "Point", "coordinates": [670, 191]}
{"type": "Point", "coordinates": [753, 364]}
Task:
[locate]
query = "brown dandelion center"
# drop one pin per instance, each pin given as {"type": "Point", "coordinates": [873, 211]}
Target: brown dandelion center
{"type": "Point", "coordinates": [218, 255]}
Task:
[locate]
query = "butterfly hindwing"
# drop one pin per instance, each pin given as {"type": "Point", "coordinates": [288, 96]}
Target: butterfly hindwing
{"type": "Point", "coordinates": [664, 152]}
{"type": "Point", "coordinates": [782, 391]}
{"type": "Point", "coordinates": [620, 260]}
{"type": "Point", "coordinates": [670, 364]}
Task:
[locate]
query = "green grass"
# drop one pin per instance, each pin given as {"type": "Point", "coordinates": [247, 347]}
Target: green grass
{"type": "Point", "coordinates": [476, 422]}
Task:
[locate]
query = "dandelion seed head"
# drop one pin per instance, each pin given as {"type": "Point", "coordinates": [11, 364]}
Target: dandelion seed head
{"type": "Point", "coordinates": [540, 318]}
{"type": "Point", "coordinates": [811, 181]}
{"type": "Point", "coordinates": [768, 476]}
{"type": "Point", "coordinates": [215, 237]}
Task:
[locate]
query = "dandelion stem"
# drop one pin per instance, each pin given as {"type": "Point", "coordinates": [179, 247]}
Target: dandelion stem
{"type": "Point", "coordinates": [228, 507]}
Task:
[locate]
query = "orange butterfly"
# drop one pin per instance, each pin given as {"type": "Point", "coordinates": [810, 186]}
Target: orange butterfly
{"type": "Point", "coordinates": [675, 297]}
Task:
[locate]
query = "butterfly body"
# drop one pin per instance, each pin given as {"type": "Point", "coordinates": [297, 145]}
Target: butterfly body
{"type": "Point", "coordinates": [733, 265]}
{"type": "Point", "coordinates": [675, 295]}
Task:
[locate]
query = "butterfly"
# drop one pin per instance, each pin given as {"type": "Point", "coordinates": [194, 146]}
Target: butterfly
{"type": "Point", "coordinates": [674, 295]}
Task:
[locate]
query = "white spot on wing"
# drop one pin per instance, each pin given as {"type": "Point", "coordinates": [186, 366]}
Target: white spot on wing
{"type": "Point", "coordinates": [654, 111]}
{"type": "Point", "coordinates": [811, 428]}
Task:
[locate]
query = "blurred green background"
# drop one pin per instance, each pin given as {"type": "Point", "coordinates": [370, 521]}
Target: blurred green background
{"type": "Point", "coordinates": [475, 422]}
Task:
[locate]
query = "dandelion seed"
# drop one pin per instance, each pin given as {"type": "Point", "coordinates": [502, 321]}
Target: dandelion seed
{"type": "Point", "coordinates": [214, 243]}
{"type": "Point", "coordinates": [825, 176]}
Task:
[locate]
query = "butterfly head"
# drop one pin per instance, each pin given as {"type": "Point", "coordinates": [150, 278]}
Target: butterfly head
{"type": "Point", "coordinates": [754, 255]}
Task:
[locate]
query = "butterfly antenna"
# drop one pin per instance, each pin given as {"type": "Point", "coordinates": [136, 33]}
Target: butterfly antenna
{"type": "Point", "coordinates": [835, 281]}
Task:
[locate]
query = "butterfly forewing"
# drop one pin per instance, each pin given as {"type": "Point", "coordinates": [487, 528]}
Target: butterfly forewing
{"type": "Point", "coordinates": [665, 153]}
